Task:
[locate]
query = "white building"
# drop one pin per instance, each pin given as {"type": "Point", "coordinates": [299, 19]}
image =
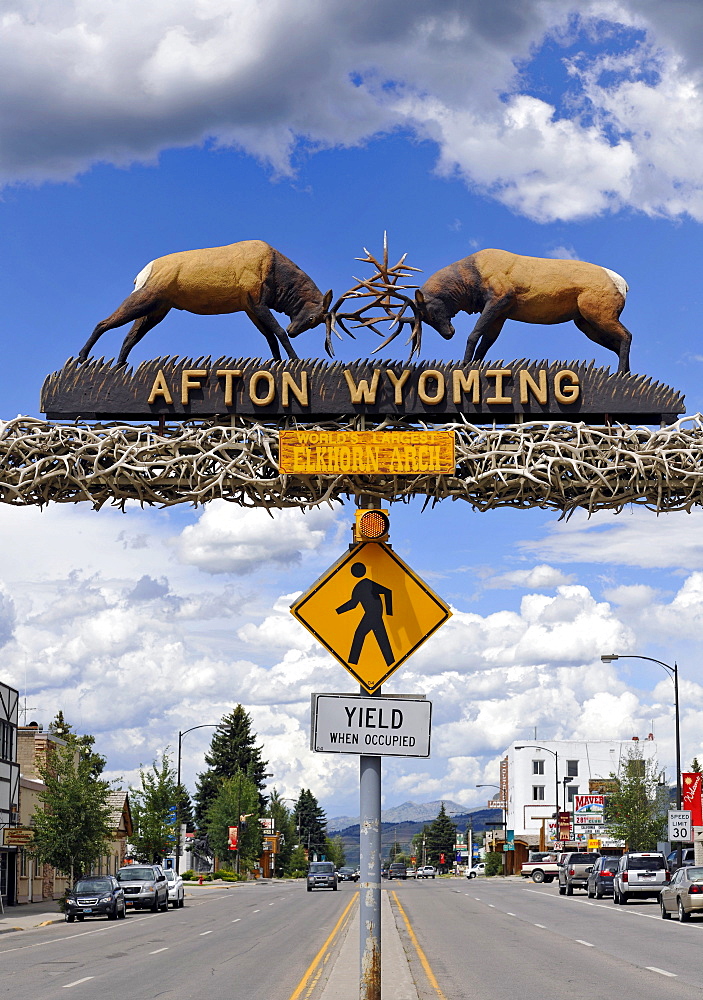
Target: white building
{"type": "Point", "coordinates": [541, 777]}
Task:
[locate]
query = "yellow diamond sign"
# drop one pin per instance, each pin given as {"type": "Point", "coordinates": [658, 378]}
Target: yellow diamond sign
{"type": "Point", "coordinates": [371, 612]}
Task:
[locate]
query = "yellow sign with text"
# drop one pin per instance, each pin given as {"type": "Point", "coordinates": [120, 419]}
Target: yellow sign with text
{"type": "Point", "coordinates": [399, 453]}
{"type": "Point", "coordinates": [371, 612]}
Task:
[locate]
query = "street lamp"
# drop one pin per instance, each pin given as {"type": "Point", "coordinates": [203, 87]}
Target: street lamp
{"type": "Point", "coordinates": [555, 755]}
{"type": "Point", "coordinates": [674, 674]}
{"type": "Point", "coordinates": [205, 725]}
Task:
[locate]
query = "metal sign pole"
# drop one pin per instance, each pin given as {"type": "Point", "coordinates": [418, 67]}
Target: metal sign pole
{"type": "Point", "coordinates": [370, 884]}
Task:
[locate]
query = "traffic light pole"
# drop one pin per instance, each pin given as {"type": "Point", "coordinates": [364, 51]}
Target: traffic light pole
{"type": "Point", "coordinates": [370, 860]}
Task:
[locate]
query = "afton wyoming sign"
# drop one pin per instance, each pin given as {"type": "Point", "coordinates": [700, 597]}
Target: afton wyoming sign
{"type": "Point", "coordinates": [385, 727]}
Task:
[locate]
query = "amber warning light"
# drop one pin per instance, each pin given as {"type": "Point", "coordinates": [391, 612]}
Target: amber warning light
{"type": "Point", "coordinates": [371, 526]}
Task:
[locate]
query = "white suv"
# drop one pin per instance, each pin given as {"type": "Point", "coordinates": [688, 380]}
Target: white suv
{"type": "Point", "coordinates": [640, 874]}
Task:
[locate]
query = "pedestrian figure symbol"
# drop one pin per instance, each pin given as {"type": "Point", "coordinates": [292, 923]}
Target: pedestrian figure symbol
{"type": "Point", "coordinates": [373, 598]}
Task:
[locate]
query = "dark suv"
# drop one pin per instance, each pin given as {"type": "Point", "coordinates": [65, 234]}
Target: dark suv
{"type": "Point", "coordinates": [397, 870]}
{"type": "Point", "coordinates": [573, 872]}
{"type": "Point", "coordinates": [600, 877]}
{"type": "Point", "coordinates": [321, 875]}
{"type": "Point", "coordinates": [95, 896]}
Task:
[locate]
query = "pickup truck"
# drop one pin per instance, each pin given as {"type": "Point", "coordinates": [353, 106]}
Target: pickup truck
{"type": "Point", "coordinates": [542, 868]}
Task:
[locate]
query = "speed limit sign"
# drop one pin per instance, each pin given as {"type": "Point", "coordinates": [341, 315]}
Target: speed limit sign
{"type": "Point", "coordinates": [680, 825]}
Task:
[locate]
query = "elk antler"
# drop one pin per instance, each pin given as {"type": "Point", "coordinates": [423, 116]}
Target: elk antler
{"type": "Point", "coordinates": [384, 290]}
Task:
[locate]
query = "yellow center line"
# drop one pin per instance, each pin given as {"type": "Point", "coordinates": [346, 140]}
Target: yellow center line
{"type": "Point", "coordinates": [322, 952]}
{"type": "Point", "coordinates": [420, 953]}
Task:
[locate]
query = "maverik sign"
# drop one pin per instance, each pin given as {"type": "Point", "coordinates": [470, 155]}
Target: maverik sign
{"type": "Point", "coordinates": [385, 727]}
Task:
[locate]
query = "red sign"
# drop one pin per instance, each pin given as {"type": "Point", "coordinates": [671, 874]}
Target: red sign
{"type": "Point", "coordinates": [691, 796]}
{"type": "Point", "coordinates": [441, 859]}
{"type": "Point", "coordinates": [233, 835]}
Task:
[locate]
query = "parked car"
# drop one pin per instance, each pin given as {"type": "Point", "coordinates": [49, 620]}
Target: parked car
{"type": "Point", "coordinates": [411, 872]}
{"type": "Point", "coordinates": [683, 895]}
{"type": "Point", "coordinates": [573, 871]}
{"type": "Point", "coordinates": [426, 871]}
{"type": "Point", "coordinates": [478, 869]}
{"type": "Point", "coordinates": [640, 873]}
{"type": "Point", "coordinates": [321, 875]}
{"type": "Point", "coordinates": [687, 858]}
{"type": "Point", "coordinates": [145, 887]}
{"type": "Point", "coordinates": [176, 892]}
{"type": "Point", "coordinates": [600, 877]}
{"type": "Point", "coordinates": [397, 870]}
{"type": "Point", "coordinates": [347, 875]}
{"type": "Point", "coordinates": [95, 896]}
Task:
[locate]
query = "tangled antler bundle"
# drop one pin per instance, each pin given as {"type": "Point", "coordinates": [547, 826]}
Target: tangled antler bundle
{"type": "Point", "coordinates": [384, 292]}
{"type": "Point", "coordinates": [558, 466]}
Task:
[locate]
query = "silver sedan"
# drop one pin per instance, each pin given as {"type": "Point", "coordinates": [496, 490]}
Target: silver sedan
{"type": "Point", "coordinates": [683, 895]}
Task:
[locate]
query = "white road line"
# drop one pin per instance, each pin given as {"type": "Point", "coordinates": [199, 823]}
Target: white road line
{"type": "Point", "coordinates": [662, 972]}
{"type": "Point", "coordinates": [158, 951]}
{"type": "Point", "coordinates": [541, 925]}
{"type": "Point", "coordinates": [586, 944]}
{"type": "Point", "coordinates": [237, 920]}
{"type": "Point", "coordinates": [256, 911]}
{"type": "Point", "coordinates": [509, 914]}
{"type": "Point", "coordinates": [492, 906]}
{"type": "Point", "coordinates": [204, 933]}
{"type": "Point", "coordinates": [273, 904]}
{"type": "Point", "coordinates": [84, 980]}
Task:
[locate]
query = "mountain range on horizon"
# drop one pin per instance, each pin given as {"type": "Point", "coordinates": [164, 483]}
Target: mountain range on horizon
{"type": "Point", "coordinates": [414, 812]}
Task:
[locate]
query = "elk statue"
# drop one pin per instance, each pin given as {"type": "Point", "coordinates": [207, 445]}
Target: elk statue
{"type": "Point", "coordinates": [501, 285]}
{"type": "Point", "coordinates": [248, 277]}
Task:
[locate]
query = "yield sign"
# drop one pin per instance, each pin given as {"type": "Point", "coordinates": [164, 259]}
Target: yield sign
{"type": "Point", "coordinates": [371, 612]}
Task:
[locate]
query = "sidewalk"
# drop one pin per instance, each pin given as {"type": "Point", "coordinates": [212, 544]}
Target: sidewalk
{"type": "Point", "coordinates": [28, 915]}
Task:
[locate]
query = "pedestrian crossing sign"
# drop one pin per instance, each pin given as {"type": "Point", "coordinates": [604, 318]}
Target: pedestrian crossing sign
{"type": "Point", "coordinates": [371, 612]}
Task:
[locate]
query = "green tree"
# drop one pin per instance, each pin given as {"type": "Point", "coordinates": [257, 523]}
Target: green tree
{"type": "Point", "coordinates": [237, 804]}
{"type": "Point", "coordinates": [441, 838]}
{"type": "Point", "coordinates": [334, 851]}
{"type": "Point", "coordinates": [636, 810]}
{"type": "Point", "coordinates": [83, 744]}
{"type": "Point", "coordinates": [72, 824]}
{"type": "Point", "coordinates": [153, 805]}
{"type": "Point", "coordinates": [233, 751]}
{"type": "Point", "coordinates": [695, 766]}
{"type": "Point", "coordinates": [298, 863]}
{"type": "Point", "coordinates": [417, 842]}
{"type": "Point", "coordinates": [494, 863]}
{"type": "Point", "coordinates": [311, 823]}
{"type": "Point", "coordinates": [283, 824]}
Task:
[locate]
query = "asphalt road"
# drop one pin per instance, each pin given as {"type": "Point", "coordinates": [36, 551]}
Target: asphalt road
{"type": "Point", "coordinates": [481, 939]}
{"type": "Point", "coordinates": [250, 942]}
{"type": "Point", "coordinates": [499, 939]}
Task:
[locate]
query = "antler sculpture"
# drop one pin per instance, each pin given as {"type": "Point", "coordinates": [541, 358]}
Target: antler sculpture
{"type": "Point", "coordinates": [384, 290]}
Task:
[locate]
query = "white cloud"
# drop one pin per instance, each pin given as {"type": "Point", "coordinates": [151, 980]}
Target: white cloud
{"type": "Point", "coordinates": [633, 538]}
{"type": "Point", "coordinates": [231, 539]}
{"type": "Point", "coordinates": [541, 577]}
{"type": "Point", "coordinates": [79, 87]}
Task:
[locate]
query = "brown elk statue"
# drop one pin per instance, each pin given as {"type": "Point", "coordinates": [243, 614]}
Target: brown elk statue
{"type": "Point", "coordinates": [501, 285]}
{"type": "Point", "coordinates": [249, 277]}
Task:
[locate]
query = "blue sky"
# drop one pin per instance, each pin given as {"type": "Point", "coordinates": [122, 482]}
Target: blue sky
{"type": "Point", "coordinates": [545, 128]}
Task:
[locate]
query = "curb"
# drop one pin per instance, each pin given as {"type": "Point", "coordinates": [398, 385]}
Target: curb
{"type": "Point", "coordinates": [44, 923]}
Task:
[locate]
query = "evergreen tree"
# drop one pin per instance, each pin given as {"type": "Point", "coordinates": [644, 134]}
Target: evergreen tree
{"type": "Point", "coordinates": [232, 750]}
{"type": "Point", "coordinates": [72, 825]}
{"type": "Point", "coordinates": [636, 812]}
{"type": "Point", "coordinates": [695, 766]}
{"type": "Point", "coordinates": [237, 804]}
{"type": "Point", "coordinates": [311, 823]}
{"type": "Point", "coordinates": [154, 810]}
{"type": "Point", "coordinates": [298, 863]}
{"type": "Point", "coordinates": [441, 838]}
{"type": "Point", "coordinates": [84, 744]}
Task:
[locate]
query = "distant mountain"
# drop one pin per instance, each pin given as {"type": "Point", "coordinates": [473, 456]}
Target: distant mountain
{"type": "Point", "coordinates": [408, 812]}
{"type": "Point", "coordinates": [403, 831]}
